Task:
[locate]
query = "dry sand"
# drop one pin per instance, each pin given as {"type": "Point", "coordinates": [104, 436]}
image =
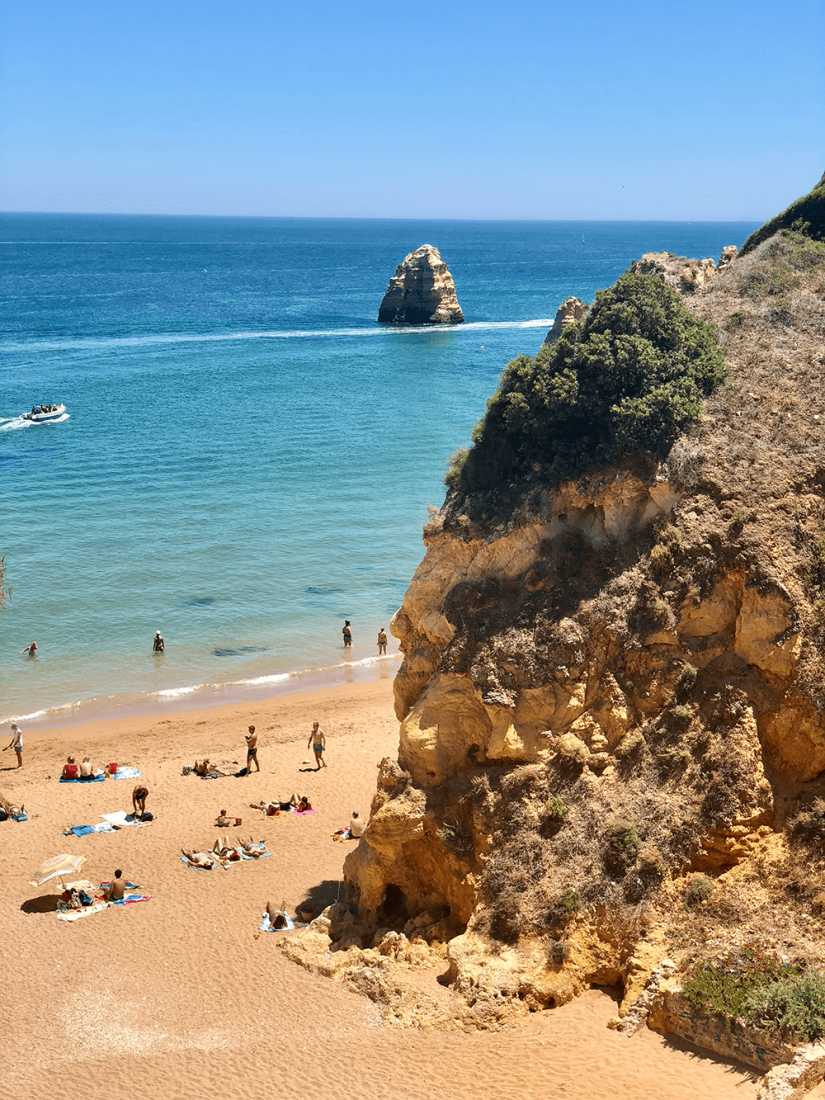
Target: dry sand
{"type": "Point", "coordinates": [178, 996]}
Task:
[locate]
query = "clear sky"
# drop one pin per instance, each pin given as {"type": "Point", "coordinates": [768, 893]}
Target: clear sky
{"type": "Point", "coordinates": [482, 109]}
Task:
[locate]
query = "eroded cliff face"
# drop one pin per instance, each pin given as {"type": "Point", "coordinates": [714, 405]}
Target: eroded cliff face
{"type": "Point", "coordinates": [615, 688]}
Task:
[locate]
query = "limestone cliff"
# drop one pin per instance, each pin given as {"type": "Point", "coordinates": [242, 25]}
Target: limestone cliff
{"type": "Point", "coordinates": [609, 687]}
{"type": "Point", "coordinates": [686, 276]}
{"type": "Point", "coordinates": [421, 292]}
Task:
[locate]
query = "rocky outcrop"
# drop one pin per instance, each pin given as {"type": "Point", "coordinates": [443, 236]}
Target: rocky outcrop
{"type": "Point", "coordinates": [686, 276]}
{"type": "Point", "coordinates": [421, 292]}
{"type": "Point", "coordinates": [729, 254]}
{"type": "Point", "coordinates": [570, 312]}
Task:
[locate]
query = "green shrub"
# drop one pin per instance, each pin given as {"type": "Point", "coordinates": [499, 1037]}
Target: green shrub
{"type": "Point", "coordinates": [456, 464]}
{"type": "Point", "coordinates": [620, 846]}
{"type": "Point", "coordinates": [687, 677]}
{"type": "Point", "coordinates": [806, 216]}
{"type": "Point", "coordinates": [762, 991]}
{"type": "Point", "coordinates": [628, 379]}
{"type": "Point", "coordinates": [555, 811]}
{"type": "Point", "coordinates": [699, 889]}
{"type": "Point", "coordinates": [558, 952]}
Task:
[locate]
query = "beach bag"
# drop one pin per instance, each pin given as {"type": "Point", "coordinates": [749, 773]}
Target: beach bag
{"type": "Point", "coordinates": [112, 768]}
{"type": "Point", "coordinates": [147, 817]}
{"type": "Point", "coordinates": [84, 898]}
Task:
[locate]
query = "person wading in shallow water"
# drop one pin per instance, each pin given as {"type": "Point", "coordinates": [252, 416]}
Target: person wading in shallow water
{"type": "Point", "coordinates": [382, 642]}
{"type": "Point", "coordinates": [30, 649]}
{"type": "Point", "coordinates": [252, 751]}
{"type": "Point", "coordinates": [157, 644]}
{"type": "Point", "coordinates": [347, 633]}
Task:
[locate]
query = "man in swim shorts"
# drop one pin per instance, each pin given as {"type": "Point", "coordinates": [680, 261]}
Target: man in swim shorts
{"type": "Point", "coordinates": [116, 888]}
{"type": "Point", "coordinates": [252, 751]}
{"type": "Point", "coordinates": [139, 795]}
{"type": "Point", "coordinates": [319, 743]}
{"type": "Point", "coordinates": [347, 633]}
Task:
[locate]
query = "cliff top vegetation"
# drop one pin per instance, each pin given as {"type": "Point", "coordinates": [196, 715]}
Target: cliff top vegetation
{"type": "Point", "coordinates": [627, 379]}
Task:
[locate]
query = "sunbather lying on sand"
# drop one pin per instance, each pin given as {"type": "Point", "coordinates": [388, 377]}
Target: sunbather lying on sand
{"type": "Point", "coordinates": [224, 850]}
{"type": "Point", "coordinates": [251, 848]}
{"type": "Point", "coordinates": [199, 859]}
{"type": "Point", "coordinates": [273, 808]}
{"type": "Point", "coordinates": [11, 809]}
{"type": "Point", "coordinates": [277, 917]}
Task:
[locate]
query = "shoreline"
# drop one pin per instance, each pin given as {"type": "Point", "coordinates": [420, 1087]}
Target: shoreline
{"type": "Point", "coordinates": [205, 696]}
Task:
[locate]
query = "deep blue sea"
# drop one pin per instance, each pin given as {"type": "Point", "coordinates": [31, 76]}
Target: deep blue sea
{"type": "Point", "coordinates": [247, 455]}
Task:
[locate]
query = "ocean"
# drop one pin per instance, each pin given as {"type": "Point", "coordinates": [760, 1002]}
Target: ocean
{"type": "Point", "coordinates": [247, 456]}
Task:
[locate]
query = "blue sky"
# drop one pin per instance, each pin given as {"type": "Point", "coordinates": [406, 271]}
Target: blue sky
{"type": "Point", "coordinates": [524, 109]}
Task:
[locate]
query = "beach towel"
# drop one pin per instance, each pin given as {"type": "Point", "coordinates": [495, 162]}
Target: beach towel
{"type": "Point", "coordinates": [94, 779]}
{"type": "Point", "coordinates": [344, 836]}
{"type": "Point", "coordinates": [122, 818]}
{"type": "Point", "coordinates": [82, 830]}
{"type": "Point", "coordinates": [266, 924]}
{"type": "Point", "coordinates": [302, 813]}
{"type": "Point", "coordinates": [76, 914]}
{"type": "Point", "coordinates": [132, 897]}
{"type": "Point", "coordinates": [126, 773]}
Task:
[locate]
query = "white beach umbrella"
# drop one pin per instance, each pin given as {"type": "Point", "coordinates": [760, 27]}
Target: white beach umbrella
{"type": "Point", "coordinates": [56, 867]}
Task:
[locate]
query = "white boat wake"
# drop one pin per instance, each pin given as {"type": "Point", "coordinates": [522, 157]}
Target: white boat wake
{"type": "Point", "coordinates": [15, 423]}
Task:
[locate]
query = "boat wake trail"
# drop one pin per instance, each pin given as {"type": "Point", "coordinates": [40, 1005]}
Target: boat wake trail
{"type": "Point", "coordinates": [295, 334]}
{"type": "Point", "coordinates": [15, 423]}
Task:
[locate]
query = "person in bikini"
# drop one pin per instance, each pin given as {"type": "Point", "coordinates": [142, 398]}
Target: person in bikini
{"type": "Point", "coordinates": [319, 743]}
{"type": "Point", "coordinates": [252, 751]}
{"type": "Point", "coordinates": [199, 859]}
{"type": "Point", "coordinates": [139, 796]}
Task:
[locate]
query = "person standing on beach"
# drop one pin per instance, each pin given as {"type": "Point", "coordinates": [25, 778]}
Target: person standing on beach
{"type": "Point", "coordinates": [30, 649]}
{"type": "Point", "coordinates": [347, 633]}
{"type": "Point", "coordinates": [319, 743]}
{"type": "Point", "coordinates": [252, 751]}
{"type": "Point", "coordinates": [139, 796]}
{"type": "Point", "coordinates": [157, 644]}
{"type": "Point", "coordinates": [16, 743]}
{"type": "Point", "coordinates": [382, 642]}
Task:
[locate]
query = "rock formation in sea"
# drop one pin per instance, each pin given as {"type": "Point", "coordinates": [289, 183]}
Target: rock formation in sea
{"type": "Point", "coordinates": [611, 766]}
{"type": "Point", "coordinates": [421, 292]}
{"type": "Point", "coordinates": [570, 312]}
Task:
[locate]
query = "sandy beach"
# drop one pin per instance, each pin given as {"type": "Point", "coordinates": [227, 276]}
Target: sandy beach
{"type": "Point", "coordinates": [180, 996]}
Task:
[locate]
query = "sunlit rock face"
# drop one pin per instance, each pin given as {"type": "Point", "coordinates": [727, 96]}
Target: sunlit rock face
{"type": "Point", "coordinates": [421, 292]}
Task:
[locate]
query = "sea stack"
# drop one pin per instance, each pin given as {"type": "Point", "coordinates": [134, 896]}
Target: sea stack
{"type": "Point", "coordinates": [570, 312]}
{"type": "Point", "coordinates": [421, 292]}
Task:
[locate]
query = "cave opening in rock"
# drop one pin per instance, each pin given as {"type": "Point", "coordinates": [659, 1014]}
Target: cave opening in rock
{"type": "Point", "coordinates": [394, 905]}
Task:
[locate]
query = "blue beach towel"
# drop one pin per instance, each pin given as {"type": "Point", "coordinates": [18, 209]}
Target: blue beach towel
{"type": "Point", "coordinates": [266, 924]}
{"type": "Point", "coordinates": [94, 779]}
{"type": "Point", "coordinates": [82, 830]}
{"type": "Point", "coordinates": [126, 773]}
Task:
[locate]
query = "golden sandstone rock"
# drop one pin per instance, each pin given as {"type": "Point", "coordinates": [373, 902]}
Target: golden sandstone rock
{"type": "Point", "coordinates": [421, 292]}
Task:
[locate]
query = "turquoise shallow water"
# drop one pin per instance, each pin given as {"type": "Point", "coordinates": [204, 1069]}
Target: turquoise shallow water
{"type": "Point", "coordinates": [247, 456]}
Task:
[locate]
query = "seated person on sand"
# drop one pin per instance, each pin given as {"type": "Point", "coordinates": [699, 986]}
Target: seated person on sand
{"type": "Point", "coordinates": [70, 899]}
{"type": "Point", "coordinates": [139, 796]}
{"type": "Point", "coordinates": [223, 821]}
{"type": "Point", "coordinates": [356, 825]}
{"type": "Point", "coordinates": [86, 770]}
{"type": "Point", "coordinates": [199, 859]}
{"type": "Point", "coordinates": [69, 769]}
{"type": "Point", "coordinates": [202, 768]}
{"type": "Point", "coordinates": [277, 917]}
{"type": "Point", "coordinates": [116, 888]}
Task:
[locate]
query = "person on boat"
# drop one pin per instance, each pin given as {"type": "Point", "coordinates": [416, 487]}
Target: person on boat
{"type": "Point", "coordinates": [30, 649]}
{"type": "Point", "coordinates": [157, 644]}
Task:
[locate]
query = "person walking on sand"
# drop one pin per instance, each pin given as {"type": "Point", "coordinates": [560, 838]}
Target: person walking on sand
{"type": "Point", "coordinates": [347, 633]}
{"type": "Point", "coordinates": [16, 743]}
{"type": "Point", "coordinates": [30, 649]}
{"type": "Point", "coordinates": [252, 751]}
{"type": "Point", "coordinates": [157, 643]}
{"type": "Point", "coordinates": [382, 642]}
{"type": "Point", "coordinates": [319, 743]}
